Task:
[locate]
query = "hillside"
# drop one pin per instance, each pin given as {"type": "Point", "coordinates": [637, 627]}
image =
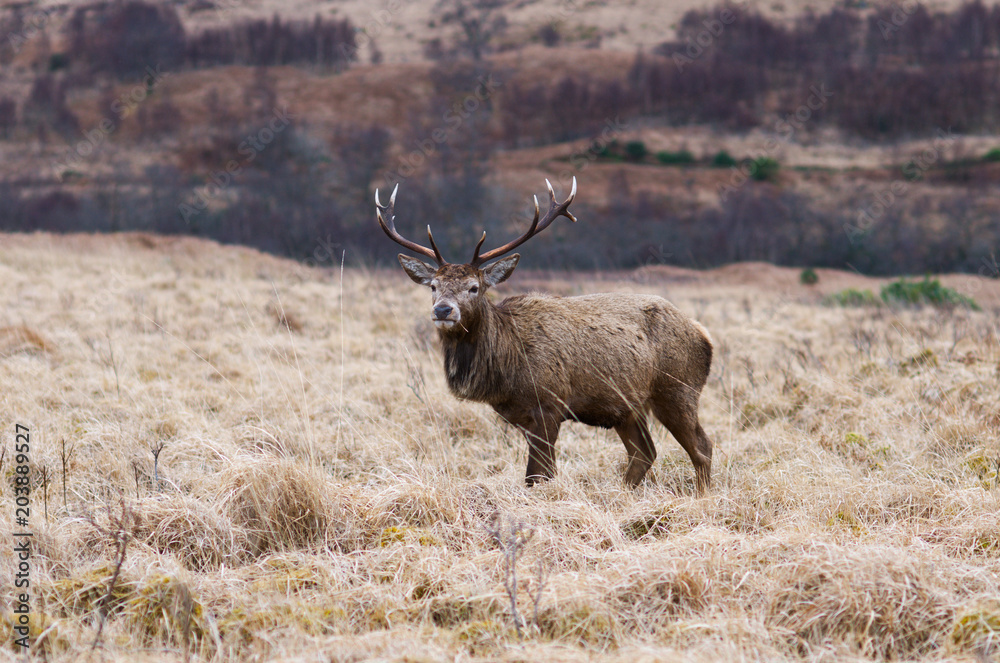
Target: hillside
{"type": "Point", "coordinates": [401, 30]}
{"type": "Point", "coordinates": [317, 492]}
{"type": "Point", "coordinates": [850, 136]}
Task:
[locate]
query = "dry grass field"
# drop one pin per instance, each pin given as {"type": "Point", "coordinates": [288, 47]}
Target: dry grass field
{"type": "Point", "coordinates": [320, 496]}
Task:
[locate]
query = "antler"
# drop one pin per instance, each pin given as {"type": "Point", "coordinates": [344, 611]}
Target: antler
{"type": "Point", "coordinates": [390, 230]}
{"type": "Point", "coordinates": [555, 210]}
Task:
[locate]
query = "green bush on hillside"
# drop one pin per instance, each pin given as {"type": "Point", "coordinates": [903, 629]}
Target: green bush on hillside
{"type": "Point", "coordinates": [764, 169]}
{"type": "Point", "coordinates": [723, 159]}
{"type": "Point", "coordinates": [681, 158]}
{"type": "Point", "coordinates": [635, 150]}
{"type": "Point", "coordinates": [853, 297]}
{"type": "Point", "coordinates": [929, 291]}
{"type": "Point", "coordinates": [910, 293]}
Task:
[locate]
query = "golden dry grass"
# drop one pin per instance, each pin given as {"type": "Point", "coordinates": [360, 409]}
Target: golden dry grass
{"type": "Point", "coordinates": [320, 495]}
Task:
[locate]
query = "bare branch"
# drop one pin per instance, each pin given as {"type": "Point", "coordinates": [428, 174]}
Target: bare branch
{"type": "Point", "coordinates": [511, 538]}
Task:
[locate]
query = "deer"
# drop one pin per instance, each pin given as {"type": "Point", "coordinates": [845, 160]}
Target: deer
{"type": "Point", "coordinates": [539, 360]}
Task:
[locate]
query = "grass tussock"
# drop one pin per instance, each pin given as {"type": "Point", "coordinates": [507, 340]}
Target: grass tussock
{"type": "Point", "coordinates": [279, 505]}
{"type": "Point", "coordinates": [191, 531]}
{"type": "Point", "coordinates": [81, 592]}
{"type": "Point", "coordinates": [977, 629]}
{"type": "Point", "coordinates": [287, 494]}
{"type": "Point", "coordinates": [164, 610]}
{"type": "Point", "coordinates": [47, 635]}
{"type": "Point", "coordinates": [878, 607]}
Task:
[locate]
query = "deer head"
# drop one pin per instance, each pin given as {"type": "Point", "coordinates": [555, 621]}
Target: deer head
{"type": "Point", "coordinates": [459, 289]}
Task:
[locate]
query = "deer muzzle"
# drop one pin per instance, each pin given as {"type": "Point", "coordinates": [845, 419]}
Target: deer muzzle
{"type": "Point", "coordinates": [446, 316]}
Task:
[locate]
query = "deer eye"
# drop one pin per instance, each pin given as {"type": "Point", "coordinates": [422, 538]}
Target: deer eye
{"type": "Point", "coordinates": [434, 288]}
{"type": "Point", "coordinates": [474, 289]}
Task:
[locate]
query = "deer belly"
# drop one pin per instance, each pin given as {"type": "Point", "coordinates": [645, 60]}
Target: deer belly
{"type": "Point", "coordinates": [606, 412]}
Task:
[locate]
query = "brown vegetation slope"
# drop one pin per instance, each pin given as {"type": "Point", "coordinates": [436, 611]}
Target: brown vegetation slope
{"type": "Point", "coordinates": [889, 170]}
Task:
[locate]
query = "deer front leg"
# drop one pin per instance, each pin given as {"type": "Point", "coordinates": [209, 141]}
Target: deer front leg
{"type": "Point", "coordinates": [541, 435]}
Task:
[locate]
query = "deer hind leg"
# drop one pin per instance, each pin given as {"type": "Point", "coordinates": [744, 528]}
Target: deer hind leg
{"type": "Point", "coordinates": [639, 445]}
{"type": "Point", "coordinates": [541, 436]}
{"type": "Point", "coordinates": [680, 416]}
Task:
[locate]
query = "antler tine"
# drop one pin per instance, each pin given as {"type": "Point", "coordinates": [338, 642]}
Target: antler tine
{"type": "Point", "coordinates": [534, 221]}
{"type": "Point", "coordinates": [390, 229]}
{"type": "Point", "coordinates": [392, 200]}
{"type": "Point", "coordinates": [437, 253]}
{"type": "Point", "coordinates": [555, 210]}
{"type": "Point", "coordinates": [479, 245]}
{"type": "Point", "coordinates": [550, 217]}
{"type": "Point", "coordinates": [572, 196]}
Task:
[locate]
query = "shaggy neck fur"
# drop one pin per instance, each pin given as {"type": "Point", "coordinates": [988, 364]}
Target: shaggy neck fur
{"type": "Point", "coordinates": [478, 361]}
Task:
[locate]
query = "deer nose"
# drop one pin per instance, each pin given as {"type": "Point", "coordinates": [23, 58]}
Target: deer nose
{"type": "Point", "coordinates": [442, 311]}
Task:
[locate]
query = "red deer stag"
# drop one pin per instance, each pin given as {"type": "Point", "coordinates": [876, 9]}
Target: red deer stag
{"type": "Point", "coordinates": [604, 360]}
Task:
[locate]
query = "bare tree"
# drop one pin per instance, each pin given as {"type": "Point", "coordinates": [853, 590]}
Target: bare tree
{"type": "Point", "coordinates": [479, 21]}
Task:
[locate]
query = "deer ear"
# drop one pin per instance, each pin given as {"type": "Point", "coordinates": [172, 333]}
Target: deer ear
{"type": "Point", "coordinates": [501, 270]}
{"type": "Point", "coordinates": [418, 270]}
